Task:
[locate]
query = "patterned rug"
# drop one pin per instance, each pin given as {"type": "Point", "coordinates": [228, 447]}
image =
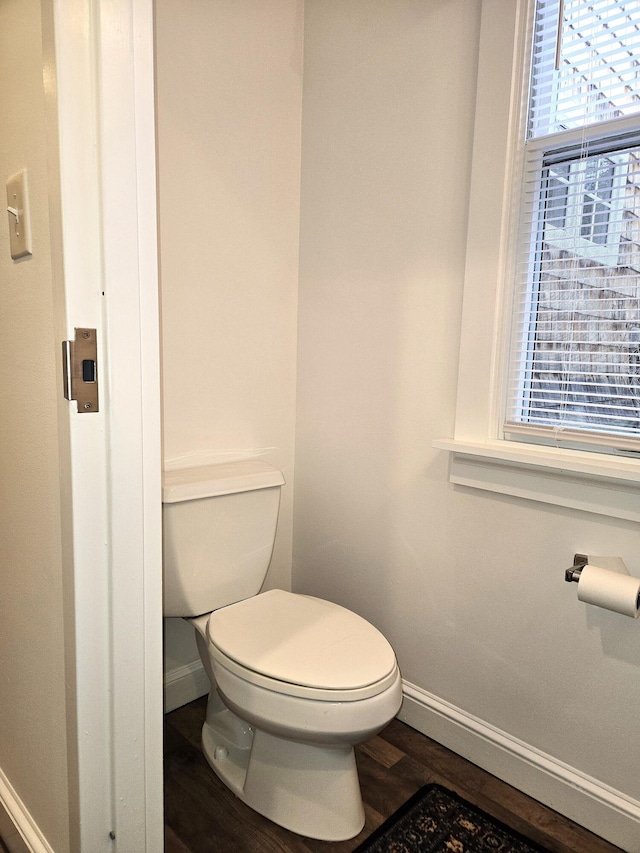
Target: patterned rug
{"type": "Point", "coordinates": [436, 820]}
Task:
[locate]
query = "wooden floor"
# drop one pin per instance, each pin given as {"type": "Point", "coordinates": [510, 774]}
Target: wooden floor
{"type": "Point", "coordinates": [201, 815]}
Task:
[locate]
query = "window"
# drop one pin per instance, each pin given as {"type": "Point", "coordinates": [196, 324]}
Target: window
{"type": "Point", "coordinates": [560, 357]}
{"type": "Point", "coordinates": [575, 344]}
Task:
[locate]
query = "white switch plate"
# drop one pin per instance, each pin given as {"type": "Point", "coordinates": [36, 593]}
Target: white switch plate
{"type": "Point", "coordinates": [18, 213]}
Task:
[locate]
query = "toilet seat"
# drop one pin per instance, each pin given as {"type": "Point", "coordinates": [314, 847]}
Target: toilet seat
{"type": "Point", "coordinates": [301, 646]}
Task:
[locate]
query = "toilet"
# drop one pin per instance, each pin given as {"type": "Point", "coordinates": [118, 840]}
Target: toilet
{"type": "Point", "coordinates": [296, 681]}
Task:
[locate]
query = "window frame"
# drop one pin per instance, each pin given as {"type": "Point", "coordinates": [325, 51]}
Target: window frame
{"type": "Point", "coordinates": [481, 455]}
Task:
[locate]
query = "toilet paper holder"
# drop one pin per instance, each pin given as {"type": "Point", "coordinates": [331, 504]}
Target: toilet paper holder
{"type": "Point", "coordinates": [573, 573]}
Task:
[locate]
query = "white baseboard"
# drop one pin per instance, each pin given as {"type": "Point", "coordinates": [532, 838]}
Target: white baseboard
{"type": "Point", "coordinates": [184, 684]}
{"type": "Point", "coordinates": [590, 803]}
{"type": "Point", "coordinates": [19, 831]}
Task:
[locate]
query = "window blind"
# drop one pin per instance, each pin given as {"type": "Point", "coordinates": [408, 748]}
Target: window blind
{"type": "Point", "coordinates": [575, 355]}
{"type": "Point", "coordinates": [585, 63]}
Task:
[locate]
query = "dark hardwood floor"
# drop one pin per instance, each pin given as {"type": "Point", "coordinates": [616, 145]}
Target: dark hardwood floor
{"type": "Point", "coordinates": [201, 815]}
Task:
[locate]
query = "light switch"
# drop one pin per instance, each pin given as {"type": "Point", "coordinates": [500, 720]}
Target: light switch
{"type": "Point", "coordinates": [18, 213]}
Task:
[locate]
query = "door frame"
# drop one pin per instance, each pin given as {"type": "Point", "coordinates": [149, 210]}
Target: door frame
{"type": "Point", "coordinates": [99, 84]}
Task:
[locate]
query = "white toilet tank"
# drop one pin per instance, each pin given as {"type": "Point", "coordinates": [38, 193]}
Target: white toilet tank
{"type": "Point", "coordinates": [219, 525]}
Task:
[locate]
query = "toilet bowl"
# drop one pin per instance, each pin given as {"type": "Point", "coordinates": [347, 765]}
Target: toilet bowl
{"type": "Point", "coordinates": [296, 681]}
{"type": "Point", "coordinates": [300, 681]}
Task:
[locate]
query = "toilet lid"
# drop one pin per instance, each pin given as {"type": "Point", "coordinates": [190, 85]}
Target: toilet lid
{"type": "Point", "coordinates": [302, 640]}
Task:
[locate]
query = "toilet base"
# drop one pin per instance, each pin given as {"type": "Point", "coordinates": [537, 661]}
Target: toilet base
{"type": "Point", "coordinates": [311, 790]}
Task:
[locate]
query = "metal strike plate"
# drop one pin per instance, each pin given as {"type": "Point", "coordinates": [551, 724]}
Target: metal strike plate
{"type": "Point", "coordinates": [80, 365]}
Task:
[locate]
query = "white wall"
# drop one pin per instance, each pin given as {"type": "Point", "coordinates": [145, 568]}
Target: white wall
{"type": "Point", "coordinates": [468, 586]}
{"type": "Point", "coordinates": [229, 91]}
{"type": "Point", "coordinates": [33, 745]}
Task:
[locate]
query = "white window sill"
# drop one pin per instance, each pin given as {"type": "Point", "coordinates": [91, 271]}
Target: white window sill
{"type": "Point", "coordinates": [591, 482]}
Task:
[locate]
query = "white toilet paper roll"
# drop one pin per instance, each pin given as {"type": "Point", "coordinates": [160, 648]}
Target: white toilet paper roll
{"type": "Point", "coordinates": [609, 589]}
